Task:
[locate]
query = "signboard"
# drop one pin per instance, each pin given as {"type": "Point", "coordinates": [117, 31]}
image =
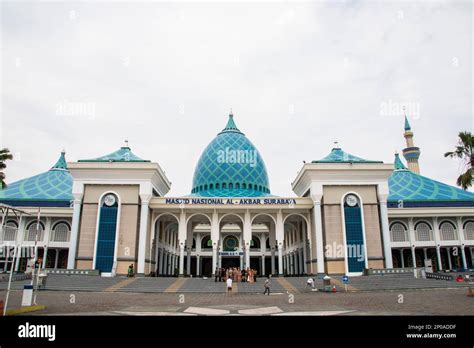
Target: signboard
{"type": "Point", "coordinates": [231, 201]}
{"type": "Point", "coordinates": [231, 253]}
{"type": "Point", "coordinates": [345, 279]}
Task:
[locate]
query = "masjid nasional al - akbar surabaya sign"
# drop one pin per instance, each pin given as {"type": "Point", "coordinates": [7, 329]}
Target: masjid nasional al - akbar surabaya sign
{"type": "Point", "coordinates": [230, 201]}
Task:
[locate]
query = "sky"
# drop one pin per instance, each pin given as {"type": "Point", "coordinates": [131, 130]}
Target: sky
{"type": "Point", "coordinates": [85, 76]}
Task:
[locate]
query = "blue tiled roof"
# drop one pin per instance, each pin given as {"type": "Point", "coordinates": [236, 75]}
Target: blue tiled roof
{"type": "Point", "coordinates": [52, 188]}
{"type": "Point", "coordinates": [230, 166]}
{"type": "Point", "coordinates": [337, 155]}
{"type": "Point", "coordinates": [124, 154]}
{"type": "Point", "coordinates": [416, 190]}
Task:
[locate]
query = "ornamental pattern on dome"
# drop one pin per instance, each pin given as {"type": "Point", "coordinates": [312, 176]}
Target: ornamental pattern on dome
{"type": "Point", "coordinates": [230, 166]}
{"type": "Point", "coordinates": [408, 187]}
{"type": "Point", "coordinates": [52, 187]}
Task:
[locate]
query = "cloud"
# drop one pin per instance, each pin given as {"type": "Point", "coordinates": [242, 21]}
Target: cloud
{"type": "Point", "coordinates": [298, 76]}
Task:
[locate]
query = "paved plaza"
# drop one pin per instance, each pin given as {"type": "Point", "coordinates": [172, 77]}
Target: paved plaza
{"type": "Point", "coordinates": [370, 295]}
{"type": "Point", "coordinates": [427, 302]}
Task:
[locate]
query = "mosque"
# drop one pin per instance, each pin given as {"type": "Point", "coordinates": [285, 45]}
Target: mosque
{"type": "Point", "coordinates": [348, 215]}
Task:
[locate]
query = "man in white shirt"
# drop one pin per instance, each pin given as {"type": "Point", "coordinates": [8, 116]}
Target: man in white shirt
{"type": "Point", "coordinates": [229, 284]}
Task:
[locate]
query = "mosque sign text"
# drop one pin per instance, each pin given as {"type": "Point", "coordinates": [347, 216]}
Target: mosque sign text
{"type": "Point", "coordinates": [231, 201]}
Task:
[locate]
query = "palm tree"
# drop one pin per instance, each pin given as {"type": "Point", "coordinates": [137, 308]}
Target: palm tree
{"type": "Point", "coordinates": [4, 155]}
{"type": "Point", "coordinates": [464, 152]}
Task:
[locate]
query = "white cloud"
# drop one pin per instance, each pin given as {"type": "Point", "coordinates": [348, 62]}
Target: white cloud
{"type": "Point", "coordinates": [297, 75]}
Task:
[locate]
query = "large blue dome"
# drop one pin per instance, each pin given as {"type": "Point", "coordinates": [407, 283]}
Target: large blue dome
{"type": "Point", "coordinates": [230, 166]}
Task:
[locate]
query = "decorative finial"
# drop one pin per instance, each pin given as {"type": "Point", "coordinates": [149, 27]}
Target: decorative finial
{"type": "Point", "coordinates": [63, 151]}
{"type": "Point", "coordinates": [126, 143]}
{"type": "Point", "coordinates": [336, 144]}
{"type": "Point", "coordinates": [231, 114]}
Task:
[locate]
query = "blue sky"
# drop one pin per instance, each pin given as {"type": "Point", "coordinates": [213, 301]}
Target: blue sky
{"type": "Point", "coordinates": [84, 76]}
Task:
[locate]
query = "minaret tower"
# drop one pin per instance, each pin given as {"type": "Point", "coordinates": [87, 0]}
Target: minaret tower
{"type": "Point", "coordinates": [411, 152]}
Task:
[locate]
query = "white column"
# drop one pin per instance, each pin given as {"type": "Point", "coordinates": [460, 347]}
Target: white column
{"type": "Point", "coordinates": [181, 259]}
{"type": "Point", "coordinates": [46, 239]}
{"type": "Point", "coordinates": [385, 229]}
{"type": "Point", "coordinates": [19, 237]}
{"type": "Point", "coordinates": [188, 263]}
{"type": "Point", "coordinates": [78, 192]}
{"type": "Point", "coordinates": [273, 259]}
{"type": "Point", "coordinates": [318, 230]}
{"type": "Point", "coordinates": [438, 256]}
{"type": "Point", "coordinates": [145, 195]}
{"type": "Point", "coordinates": [198, 258]}
{"type": "Point", "coordinates": [169, 264]}
{"type": "Point", "coordinates": [403, 260]}
{"type": "Point", "coordinates": [215, 240]}
{"type": "Point", "coordinates": [56, 258]}
{"type": "Point", "coordinates": [247, 237]}
{"type": "Point", "coordinates": [280, 258]}
{"type": "Point", "coordinates": [280, 239]}
{"type": "Point", "coordinates": [413, 256]}
{"type": "Point", "coordinates": [160, 266]}
{"type": "Point", "coordinates": [461, 239]}
{"type": "Point", "coordinates": [157, 227]}
{"type": "Point", "coordinates": [300, 262]}
{"type": "Point", "coordinates": [305, 240]}
{"type": "Point", "coordinates": [263, 266]}
{"type": "Point", "coordinates": [436, 239]}
{"type": "Point", "coordinates": [425, 256]}
{"type": "Point", "coordinates": [448, 250]}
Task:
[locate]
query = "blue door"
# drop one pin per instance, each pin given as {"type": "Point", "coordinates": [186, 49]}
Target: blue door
{"type": "Point", "coordinates": [106, 238]}
{"type": "Point", "coordinates": [354, 239]}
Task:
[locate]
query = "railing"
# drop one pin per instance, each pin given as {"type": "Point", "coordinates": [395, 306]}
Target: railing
{"type": "Point", "coordinates": [438, 276]}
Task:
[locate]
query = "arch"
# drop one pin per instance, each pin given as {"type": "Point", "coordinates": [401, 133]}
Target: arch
{"type": "Point", "coordinates": [195, 214]}
{"type": "Point", "coordinates": [423, 231]}
{"type": "Point", "coordinates": [267, 214]}
{"type": "Point", "coordinates": [106, 236]}
{"type": "Point", "coordinates": [61, 231]}
{"type": "Point", "coordinates": [300, 215]}
{"type": "Point", "coordinates": [244, 186]}
{"type": "Point", "coordinates": [10, 231]}
{"type": "Point", "coordinates": [353, 223]}
{"type": "Point", "coordinates": [218, 186]}
{"type": "Point", "coordinates": [30, 231]}
{"type": "Point", "coordinates": [469, 230]}
{"type": "Point", "coordinates": [447, 230]}
{"type": "Point", "coordinates": [398, 232]}
{"type": "Point", "coordinates": [163, 214]}
{"type": "Point", "coordinates": [228, 214]}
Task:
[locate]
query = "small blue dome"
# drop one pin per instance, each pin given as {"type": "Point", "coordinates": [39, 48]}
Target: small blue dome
{"type": "Point", "coordinates": [230, 166]}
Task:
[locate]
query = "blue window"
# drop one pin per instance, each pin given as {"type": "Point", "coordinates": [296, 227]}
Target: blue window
{"type": "Point", "coordinates": [354, 235]}
{"type": "Point", "coordinates": [106, 237]}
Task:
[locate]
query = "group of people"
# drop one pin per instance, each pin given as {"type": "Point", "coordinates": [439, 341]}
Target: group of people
{"type": "Point", "coordinates": [235, 274]}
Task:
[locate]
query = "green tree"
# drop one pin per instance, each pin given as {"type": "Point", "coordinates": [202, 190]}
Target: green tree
{"type": "Point", "coordinates": [4, 156]}
{"type": "Point", "coordinates": [463, 151]}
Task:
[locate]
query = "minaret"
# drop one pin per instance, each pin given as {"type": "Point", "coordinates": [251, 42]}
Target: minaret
{"type": "Point", "coordinates": [411, 152]}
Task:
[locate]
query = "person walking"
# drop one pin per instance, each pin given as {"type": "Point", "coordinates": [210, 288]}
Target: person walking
{"type": "Point", "coordinates": [267, 286]}
{"type": "Point", "coordinates": [229, 284]}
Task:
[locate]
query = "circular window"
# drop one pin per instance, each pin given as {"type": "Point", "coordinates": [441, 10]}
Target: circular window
{"type": "Point", "coordinates": [230, 243]}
